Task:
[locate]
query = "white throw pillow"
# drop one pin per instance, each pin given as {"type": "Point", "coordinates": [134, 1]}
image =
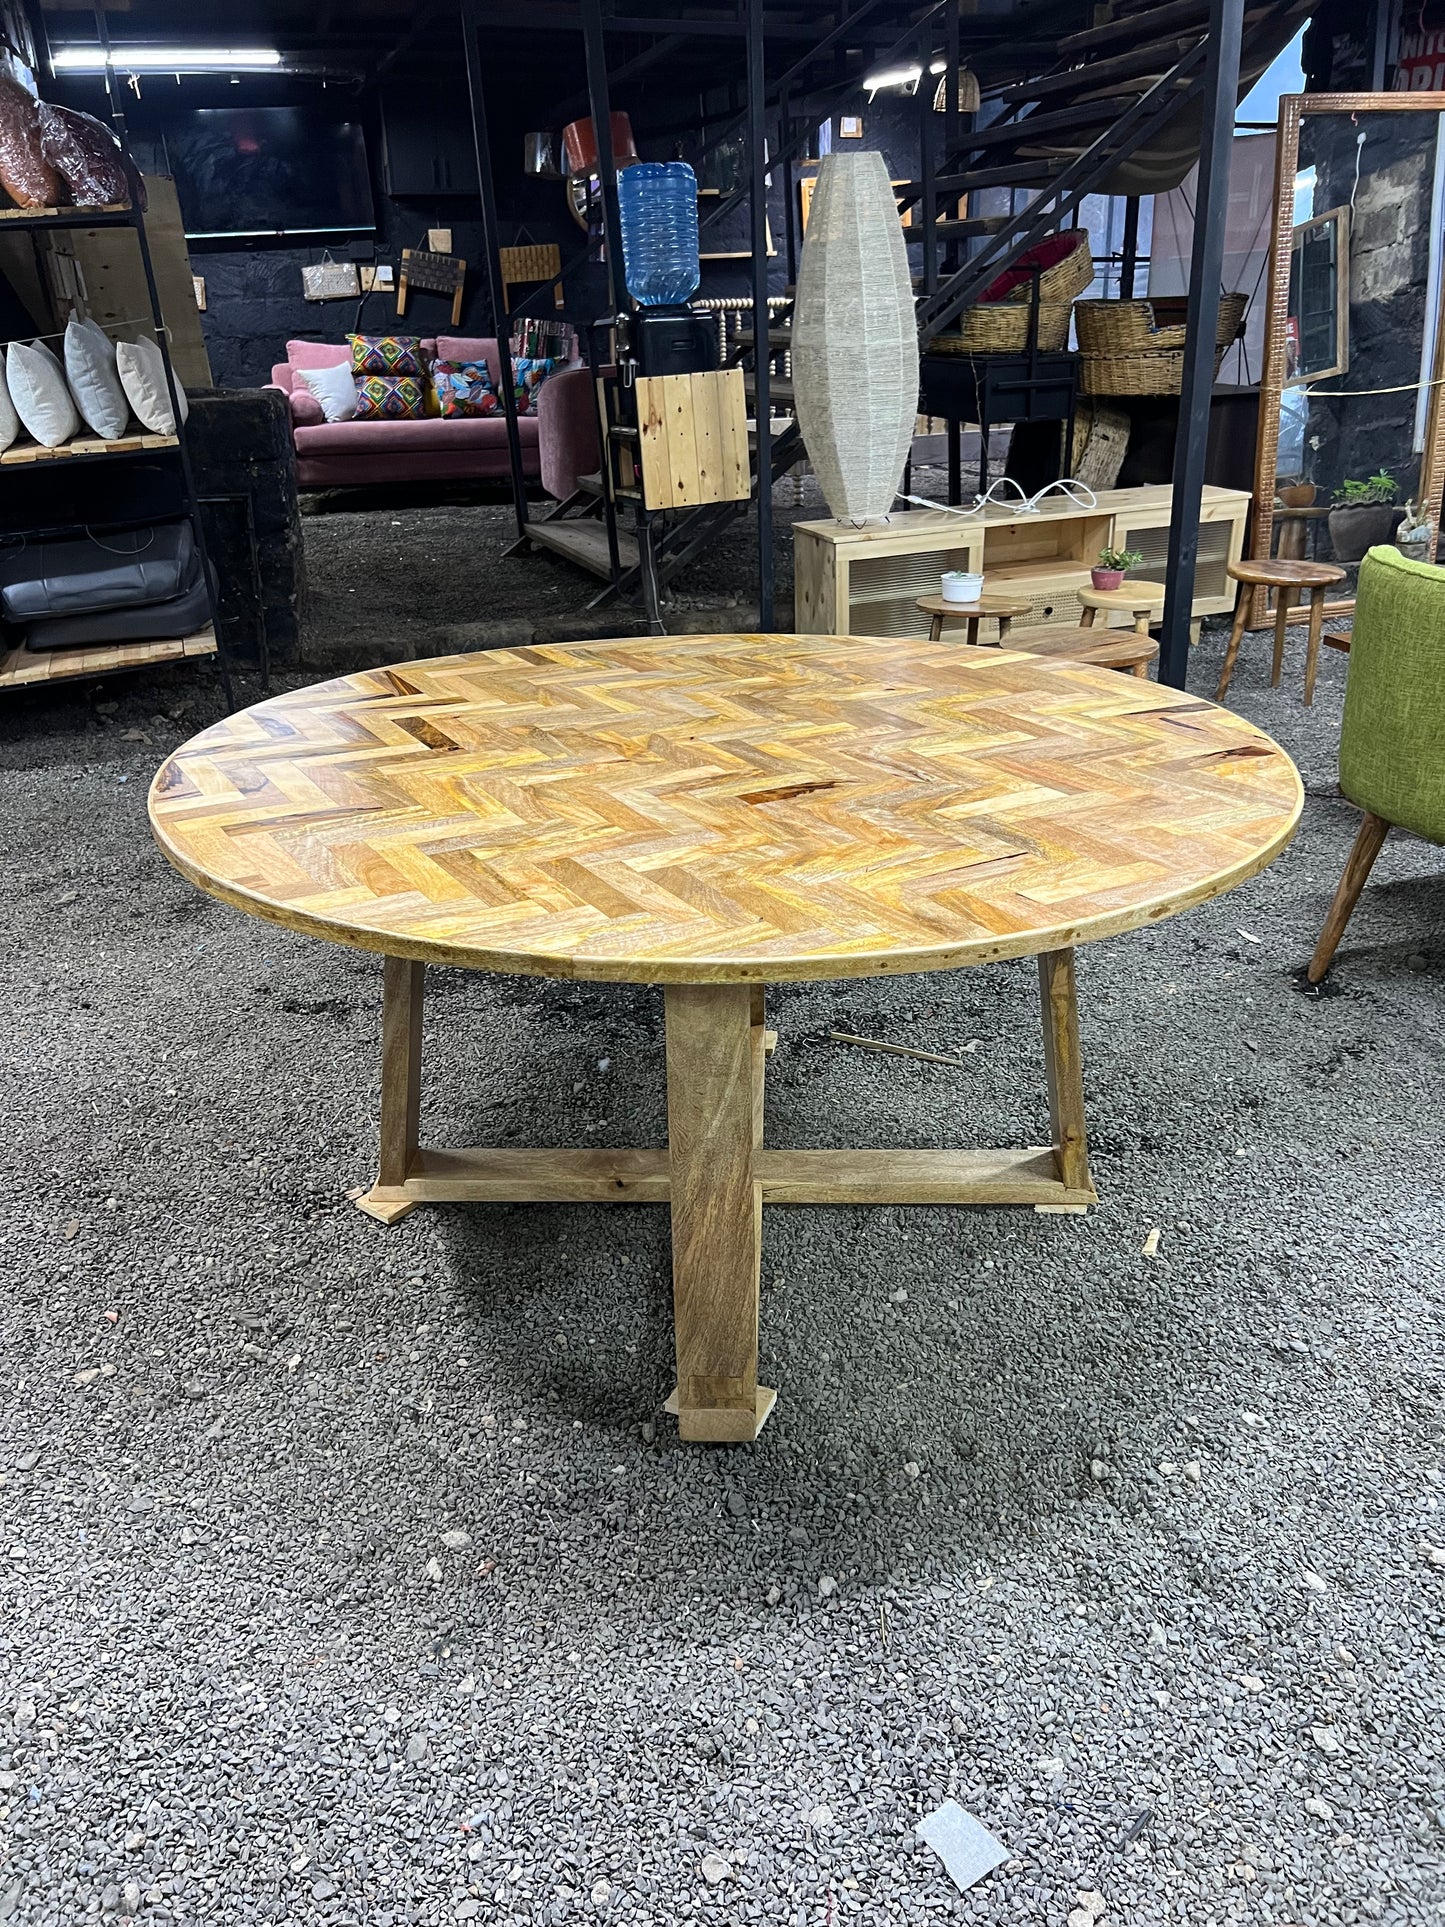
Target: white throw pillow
{"type": "Point", "coordinates": [9, 420]}
{"type": "Point", "coordinates": [143, 377]}
{"type": "Point", "coordinates": [334, 388]}
{"type": "Point", "coordinates": [38, 389]}
{"type": "Point", "coordinates": [94, 379]}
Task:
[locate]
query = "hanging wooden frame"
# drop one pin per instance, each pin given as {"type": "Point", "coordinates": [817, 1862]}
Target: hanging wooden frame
{"type": "Point", "coordinates": [1292, 110]}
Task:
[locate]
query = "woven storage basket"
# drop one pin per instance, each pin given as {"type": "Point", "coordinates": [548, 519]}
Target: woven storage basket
{"type": "Point", "coordinates": [1064, 281]}
{"type": "Point", "coordinates": [1131, 327]}
{"type": "Point", "coordinates": [1141, 370]}
{"type": "Point", "coordinates": [1002, 328]}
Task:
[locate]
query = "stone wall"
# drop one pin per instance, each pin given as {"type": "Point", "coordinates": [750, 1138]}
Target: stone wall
{"type": "Point", "coordinates": [1389, 269]}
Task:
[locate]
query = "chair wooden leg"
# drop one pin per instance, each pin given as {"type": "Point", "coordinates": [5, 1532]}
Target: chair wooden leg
{"type": "Point", "coordinates": [935, 629]}
{"type": "Point", "coordinates": [1312, 654]}
{"type": "Point", "coordinates": [1236, 636]}
{"type": "Point", "coordinates": [1281, 623]}
{"type": "Point", "coordinates": [1358, 864]}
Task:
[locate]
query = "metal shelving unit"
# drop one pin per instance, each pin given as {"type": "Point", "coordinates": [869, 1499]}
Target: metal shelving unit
{"type": "Point", "coordinates": [27, 668]}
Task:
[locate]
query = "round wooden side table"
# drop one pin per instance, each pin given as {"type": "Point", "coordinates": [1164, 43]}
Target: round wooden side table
{"type": "Point", "coordinates": [1144, 601]}
{"type": "Point", "coordinates": [1002, 607]}
{"type": "Point", "coordinates": [1281, 574]}
{"type": "Point", "coordinates": [1124, 649]}
{"type": "Point", "coordinates": [711, 814]}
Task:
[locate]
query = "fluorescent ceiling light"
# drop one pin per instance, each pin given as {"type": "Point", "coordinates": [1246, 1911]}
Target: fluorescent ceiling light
{"type": "Point", "coordinates": [166, 60]}
{"type": "Point", "coordinates": [893, 77]}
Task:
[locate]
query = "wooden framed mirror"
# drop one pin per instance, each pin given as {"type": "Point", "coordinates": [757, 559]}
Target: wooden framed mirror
{"type": "Point", "coordinates": [1353, 378]}
{"type": "Point", "coordinates": [1317, 317]}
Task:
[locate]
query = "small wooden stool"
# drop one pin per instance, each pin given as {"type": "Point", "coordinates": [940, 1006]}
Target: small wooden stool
{"type": "Point", "coordinates": [1123, 649]}
{"type": "Point", "coordinates": [1004, 607]}
{"type": "Point", "coordinates": [1281, 574]}
{"type": "Point", "coordinates": [1143, 600]}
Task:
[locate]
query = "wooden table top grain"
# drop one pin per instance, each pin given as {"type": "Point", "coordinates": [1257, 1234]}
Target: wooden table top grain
{"type": "Point", "coordinates": [723, 809]}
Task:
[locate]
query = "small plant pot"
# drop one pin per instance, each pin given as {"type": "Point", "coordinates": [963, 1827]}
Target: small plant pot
{"type": "Point", "coordinates": [1107, 578]}
{"type": "Point", "coordinates": [961, 585]}
{"type": "Point", "coordinates": [1353, 530]}
{"type": "Point", "coordinates": [1417, 548]}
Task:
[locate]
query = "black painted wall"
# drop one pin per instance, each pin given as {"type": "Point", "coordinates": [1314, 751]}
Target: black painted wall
{"type": "Point", "coordinates": [254, 293]}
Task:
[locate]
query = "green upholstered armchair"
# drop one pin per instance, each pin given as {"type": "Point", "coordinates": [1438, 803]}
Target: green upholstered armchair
{"type": "Point", "coordinates": [1392, 742]}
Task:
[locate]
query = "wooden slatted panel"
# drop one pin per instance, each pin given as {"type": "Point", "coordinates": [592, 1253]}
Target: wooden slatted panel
{"type": "Point", "coordinates": [694, 438]}
{"type": "Point", "coordinates": [702, 809]}
{"type": "Point", "coordinates": [23, 452]}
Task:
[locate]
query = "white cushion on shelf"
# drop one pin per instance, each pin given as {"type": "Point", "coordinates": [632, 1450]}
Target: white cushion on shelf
{"type": "Point", "coordinates": [94, 378]}
{"type": "Point", "coordinates": [9, 420]}
{"type": "Point", "coordinates": [40, 393]}
{"type": "Point", "coordinates": [143, 377]}
{"type": "Point", "coordinates": [334, 388]}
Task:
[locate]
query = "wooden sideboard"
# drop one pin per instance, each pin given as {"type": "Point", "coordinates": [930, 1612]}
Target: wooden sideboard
{"type": "Point", "coordinates": [864, 581]}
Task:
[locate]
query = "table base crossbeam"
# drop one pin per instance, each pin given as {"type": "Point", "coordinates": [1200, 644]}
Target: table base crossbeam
{"type": "Point", "coordinates": [480, 1176]}
{"type": "Point", "coordinates": [716, 1175]}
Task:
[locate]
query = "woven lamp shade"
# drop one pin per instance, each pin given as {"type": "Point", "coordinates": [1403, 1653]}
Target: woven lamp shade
{"type": "Point", "coordinates": [855, 342]}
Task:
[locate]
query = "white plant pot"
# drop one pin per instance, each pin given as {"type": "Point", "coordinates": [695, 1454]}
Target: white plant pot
{"type": "Point", "coordinates": [961, 585]}
{"type": "Point", "coordinates": [855, 340]}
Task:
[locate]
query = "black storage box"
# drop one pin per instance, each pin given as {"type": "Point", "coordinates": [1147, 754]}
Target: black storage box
{"type": "Point", "coordinates": [673, 341]}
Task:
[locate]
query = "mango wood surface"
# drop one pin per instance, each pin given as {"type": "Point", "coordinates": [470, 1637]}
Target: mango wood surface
{"type": "Point", "coordinates": [696, 809]}
{"type": "Point", "coordinates": [710, 813]}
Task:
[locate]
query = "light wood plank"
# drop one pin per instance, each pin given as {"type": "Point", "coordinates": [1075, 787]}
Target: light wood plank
{"type": "Point", "coordinates": [717, 1208]}
{"type": "Point", "coordinates": [731, 465]}
{"type": "Point", "coordinates": [915, 1177]}
{"type": "Point", "coordinates": [23, 667]}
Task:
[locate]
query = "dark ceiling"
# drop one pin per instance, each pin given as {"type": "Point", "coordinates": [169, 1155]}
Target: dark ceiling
{"type": "Point", "coordinates": [690, 42]}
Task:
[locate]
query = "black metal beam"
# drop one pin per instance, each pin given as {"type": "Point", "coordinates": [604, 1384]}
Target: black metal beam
{"type": "Point", "coordinates": [758, 185]}
{"type": "Point", "coordinates": [1206, 268]}
{"type": "Point", "coordinates": [491, 245]}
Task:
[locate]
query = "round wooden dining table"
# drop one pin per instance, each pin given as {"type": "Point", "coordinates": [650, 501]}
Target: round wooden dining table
{"type": "Point", "coordinates": [712, 814]}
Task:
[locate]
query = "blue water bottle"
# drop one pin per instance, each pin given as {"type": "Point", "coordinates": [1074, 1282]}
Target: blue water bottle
{"type": "Point", "coordinates": [658, 201]}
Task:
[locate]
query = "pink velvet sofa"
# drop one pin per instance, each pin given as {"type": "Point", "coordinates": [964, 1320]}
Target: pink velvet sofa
{"type": "Point", "coordinates": [559, 442]}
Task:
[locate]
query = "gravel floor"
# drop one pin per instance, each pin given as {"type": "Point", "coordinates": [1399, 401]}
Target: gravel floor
{"type": "Point", "coordinates": [354, 1576]}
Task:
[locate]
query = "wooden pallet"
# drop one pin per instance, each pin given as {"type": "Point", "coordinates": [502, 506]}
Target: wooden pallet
{"type": "Point", "coordinates": [26, 452]}
{"type": "Point", "coordinates": [60, 213]}
{"type": "Point", "coordinates": [25, 668]}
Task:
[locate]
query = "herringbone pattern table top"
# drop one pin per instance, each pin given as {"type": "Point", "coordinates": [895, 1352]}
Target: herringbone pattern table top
{"type": "Point", "coordinates": [713, 808]}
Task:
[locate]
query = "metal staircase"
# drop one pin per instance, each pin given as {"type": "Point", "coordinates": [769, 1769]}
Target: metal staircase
{"type": "Point", "coordinates": [1062, 134]}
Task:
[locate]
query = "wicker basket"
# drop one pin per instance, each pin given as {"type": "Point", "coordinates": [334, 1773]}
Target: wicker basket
{"type": "Point", "coordinates": [1124, 353]}
{"type": "Point", "coordinates": [1002, 328]}
{"type": "Point", "coordinates": [1064, 281]}
{"type": "Point", "coordinates": [1132, 327]}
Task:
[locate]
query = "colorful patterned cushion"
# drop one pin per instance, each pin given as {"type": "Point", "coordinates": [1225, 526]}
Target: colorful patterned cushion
{"type": "Point", "coordinates": [528, 375]}
{"type": "Point", "coordinates": [390, 398]}
{"type": "Point", "coordinates": [386, 355]}
{"type": "Point", "coordinates": [464, 388]}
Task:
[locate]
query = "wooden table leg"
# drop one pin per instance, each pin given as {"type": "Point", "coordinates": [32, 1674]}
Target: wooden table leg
{"type": "Point", "coordinates": [1281, 623]}
{"type": "Point", "coordinates": [1064, 1067]}
{"type": "Point", "coordinates": [402, 989]}
{"type": "Point", "coordinates": [1236, 636]}
{"type": "Point", "coordinates": [1312, 654]}
{"type": "Point", "coordinates": [973, 632]}
{"type": "Point", "coordinates": [935, 629]}
{"type": "Point", "coordinates": [717, 1210]}
{"type": "Point", "coordinates": [1005, 623]}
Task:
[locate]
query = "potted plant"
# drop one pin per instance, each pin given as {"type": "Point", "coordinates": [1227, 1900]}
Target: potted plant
{"type": "Point", "coordinates": [1415, 537]}
{"type": "Point", "coordinates": [1363, 515]}
{"type": "Point", "coordinates": [1108, 571]}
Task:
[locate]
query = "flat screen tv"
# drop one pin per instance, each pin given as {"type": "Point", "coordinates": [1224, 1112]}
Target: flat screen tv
{"type": "Point", "coordinates": [268, 170]}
